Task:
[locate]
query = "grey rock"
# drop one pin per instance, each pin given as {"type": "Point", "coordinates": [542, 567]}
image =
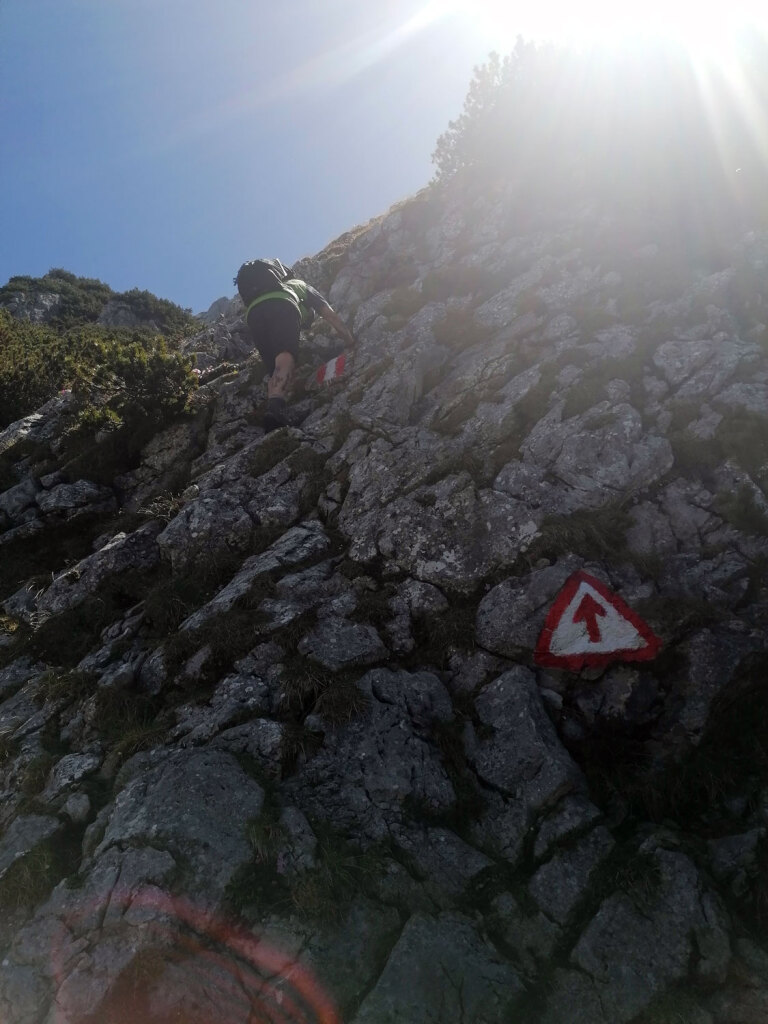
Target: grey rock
{"type": "Point", "coordinates": [238, 695]}
{"type": "Point", "coordinates": [472, 671]}
{"type": "Point", "coordinates": [369, 770]}
{"type": "Point", "coordinates": [219, 307]}
{"type": "Point", "coordinates": [574, 998]}
{"type": "Point", "coordinates": [47, 424]}
{"type": "Point", "coordinates": [67, 772]}
{"type": "Point", "coordinates": [22, 605]}
{"type": "Point", "coordinates": [23, 532]}
{"type": "Point", "coordinates": [752, 397]}
{"type": "Point", "coordinates": [735, 856]}
{"type": "Point", "coordinates": [715, 657]}
{"type": "Point", "coordinates": [95, 931]}
{"type": "Point", "coordinates": [37, 307]}
{"type": "Point", "coordinates": [212, 524]}
{"type": "Point", "coordinates": [314, 588]}
{"type": "Point", "coordinates": [19, 498]}
{"type": "Point", "coordinates": [22, 836]}
{"type": "Point", "coordinates": [68, 498]}
{"type": "Point", "coordinates": [350, 954]}
{"type": "Point", "coordinates": [532, 485]}
{"type": "Point", "coordinates": [138, 550]}
{"type": "Point", "coordinates": [395, 393]}
{"type": "Point", "coordinates": [15, 675]}
{"type": "Point", "coordinates": [164, 464]}
{"type": "Point", "coordinates": [634, 953]}
{"type": "Point", "coordinates": [336, 644]}
{"type": "Point", "coordinates": [24, 994]}
{"type": "Point", "coordinates": [77, 808]}
{"type": "Point", "coordinates": [570, 815]}
{"type": "Point", "coordinates": [296, 545]}
{"type": "Point", "coordinates": [442, 970]}
{"type": "Point", "coordinates": [448, 534]}
{"type": "Point", "coordinates": [511, 615]}
{"type": "Point", "coordinates": [446, 862]}
{"type": "Point", "coordinates": [117, 313]}
{"type": "Point", "coordinates": [261, 739]}
{"type": "Point", "coordinates": [601, 454]}
{"type": "Point", "coordinates": [21, 714]}
{"type": "Point", "coordinates": [563, 882]}
{"type": "Point", "coordinates": [532, 936]}
{"type": "Point", "coordinates": [194, 803]}
{"type": "Point", "coordinates": [501, 310]}
{"type": "Point", "coordinates": [298, 847]}
{"type": "Point", "coordinates": [651, 532]}
{"type": "Point", "coordinates": [681, 360]}
{"type": "Point", "coordinates": [521, 761]}
{"type": "Point", "coordinates": [283, 967]}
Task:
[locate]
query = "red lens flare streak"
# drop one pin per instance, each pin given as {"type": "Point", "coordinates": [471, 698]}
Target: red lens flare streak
{"type": "Point", "coordinates": [248, 980]}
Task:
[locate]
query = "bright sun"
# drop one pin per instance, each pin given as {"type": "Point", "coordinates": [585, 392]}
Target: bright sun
{"type": "Point", "coordinates": [702, 25]}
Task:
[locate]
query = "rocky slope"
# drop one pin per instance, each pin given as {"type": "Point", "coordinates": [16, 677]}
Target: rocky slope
{"type": "Point", "coordinates": [274, 743]}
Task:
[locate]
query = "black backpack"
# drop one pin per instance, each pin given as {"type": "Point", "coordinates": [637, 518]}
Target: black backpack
{"type": "Point", "coordinates": [257, 277]}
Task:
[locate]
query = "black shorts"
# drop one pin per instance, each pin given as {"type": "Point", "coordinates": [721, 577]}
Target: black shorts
{"type": "Point", "coordinates": [274, 328]}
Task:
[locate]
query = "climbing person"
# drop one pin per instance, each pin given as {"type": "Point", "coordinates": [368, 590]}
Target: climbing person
{"type": "Point", "coordinates": [277, 305]}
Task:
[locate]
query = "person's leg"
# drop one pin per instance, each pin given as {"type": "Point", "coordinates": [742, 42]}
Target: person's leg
{"type": "Point", "coordinates": [282, 375]}
{"type": "Point", "coordinates": [284, 324]}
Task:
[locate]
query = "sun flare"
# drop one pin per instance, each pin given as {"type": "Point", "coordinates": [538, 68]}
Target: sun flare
{"type": "Point", "coordinates": [702, 26]}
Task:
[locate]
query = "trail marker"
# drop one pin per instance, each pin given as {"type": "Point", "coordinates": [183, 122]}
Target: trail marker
{"type": "Point", "coordinates": [331, 370]}
{"type": "Point", "coordinates": [590, 625]}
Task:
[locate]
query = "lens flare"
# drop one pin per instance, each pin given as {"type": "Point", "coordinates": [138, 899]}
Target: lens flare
{"type": "Point", "coordinates": [177, 963]}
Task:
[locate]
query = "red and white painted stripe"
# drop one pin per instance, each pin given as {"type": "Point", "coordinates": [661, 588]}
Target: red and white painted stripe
{"type": "Point", "coordinates": [332, 369]}
{"type": "Point", "coordinates": [590, 625]}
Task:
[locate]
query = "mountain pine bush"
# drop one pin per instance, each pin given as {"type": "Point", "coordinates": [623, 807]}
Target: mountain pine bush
{"type": "Point", "coordinates": [129, 374]}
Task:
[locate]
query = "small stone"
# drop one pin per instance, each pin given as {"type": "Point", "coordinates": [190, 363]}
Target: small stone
{"type": "Point", "coordinates": [78, 808]}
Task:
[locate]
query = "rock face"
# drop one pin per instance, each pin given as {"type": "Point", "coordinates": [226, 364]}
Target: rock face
{"type": "Point", "coordinates": [274, 737]}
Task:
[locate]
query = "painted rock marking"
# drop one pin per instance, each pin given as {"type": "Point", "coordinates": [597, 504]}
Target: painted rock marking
{"type": "Point", "coordinates": [332, 369]}
{"type": "Point", "coordinates": [589, 625]}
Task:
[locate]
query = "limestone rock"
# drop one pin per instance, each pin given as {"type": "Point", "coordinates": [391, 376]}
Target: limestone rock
{"type": "Point", "coordinates": [213, 524]}
{"type": "Point", "coordinates": [137, 550]}
{"type": "Point", "coordinates": [23, 835]}
{"type": "Point", "coordinates": [520, 760]}
{"type": "Point", "coordinates": [511, 615]}
{"type": "Point", "coordinates": [193, 803]}
{"type": "Point", "coordinates": [560, 884]}
{"type": "Point", "coordinates": [631, 953]}
{"type": "Point", "coordinates": [368, 770]}
{"type": "Point", "coordinates": [337, 644]}
{"type": "Point", "coordinates": [68, 499]}
{"type": "Point", "coordinates": [441, 969]}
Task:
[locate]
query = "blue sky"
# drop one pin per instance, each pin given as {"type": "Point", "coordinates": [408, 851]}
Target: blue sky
{"type": "Point", "coordinates": [159, 143]}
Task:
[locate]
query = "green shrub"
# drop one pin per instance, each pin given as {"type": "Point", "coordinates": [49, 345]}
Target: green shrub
{"type": "Point", "coordinates": [129, 375]}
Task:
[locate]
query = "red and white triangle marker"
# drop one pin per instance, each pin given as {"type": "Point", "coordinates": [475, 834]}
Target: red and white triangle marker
{"type": "Point", "coordinates": [589, 625]}
{"type": "Point", "coordinates": [332, 369]}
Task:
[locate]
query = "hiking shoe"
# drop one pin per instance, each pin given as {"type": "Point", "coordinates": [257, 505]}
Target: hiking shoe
{"type": "Point", "coordinates": [276, 415]}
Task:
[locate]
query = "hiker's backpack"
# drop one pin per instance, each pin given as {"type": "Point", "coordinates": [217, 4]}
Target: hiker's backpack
{"type": "Point", "coordinates": [257, 277]}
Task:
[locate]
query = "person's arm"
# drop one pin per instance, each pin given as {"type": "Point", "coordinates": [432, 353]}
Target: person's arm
{"type": "Point", "coordinates": [337, 323]}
